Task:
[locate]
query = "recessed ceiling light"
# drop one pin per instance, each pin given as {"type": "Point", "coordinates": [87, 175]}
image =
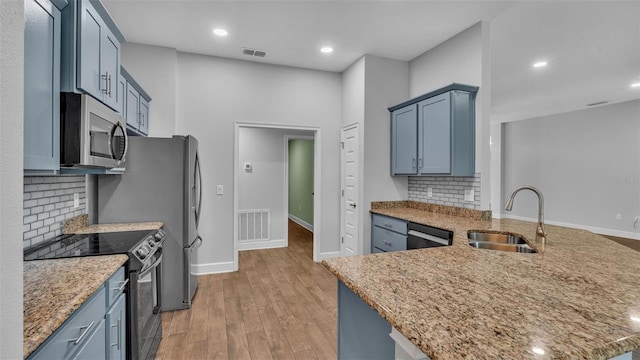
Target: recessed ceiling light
{"type": "Point", "coordinates": [327, 50]}
{"type": "Point", "coordinates": [635, 84]}
{"type": "Point", "coordinates": [540, 64]}
{"type": "Point", "coordinates": [538, 351]}
{"type": "Point", "coordinates": [220, 32]}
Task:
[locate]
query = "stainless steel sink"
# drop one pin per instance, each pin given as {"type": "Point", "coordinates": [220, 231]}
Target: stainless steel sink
{"type": "Point", "coordinates": [502, 247]}
{"type": "Point", "coordinates": [494, 237]}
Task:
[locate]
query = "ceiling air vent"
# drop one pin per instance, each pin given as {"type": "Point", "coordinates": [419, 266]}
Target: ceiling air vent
{"type": "Point", "coordinates": [254, 52]}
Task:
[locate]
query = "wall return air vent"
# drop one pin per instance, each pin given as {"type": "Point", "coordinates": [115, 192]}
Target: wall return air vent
{"type": "Point", "coordinates": [254, 52]}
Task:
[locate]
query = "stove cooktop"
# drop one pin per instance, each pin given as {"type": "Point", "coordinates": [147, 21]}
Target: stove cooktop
{"type": "Point", "coordinates": [65, 246]}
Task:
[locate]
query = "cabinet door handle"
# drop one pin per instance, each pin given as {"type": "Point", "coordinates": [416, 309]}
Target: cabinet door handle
{"type": "Point", "coordinates": [109, 76]}
{"type": "Point", "coordinates": [106, 79]}
{"type": "Point", "coordinates": [353, 205]}
{"type": "Point", "coordinates": [122, 286]}
{"type": "Point", "coordinates": [142, 115]}
{"type": "Point", "coordinates": [413, 163]}
{"type": "Point", "coordinates": [84, 333]}
{"type": "Point", "coordinates": [420, 163]}
{"type": "Point", "coordinates": [117, 326]}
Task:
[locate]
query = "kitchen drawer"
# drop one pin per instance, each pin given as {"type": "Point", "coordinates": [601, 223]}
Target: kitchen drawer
{"type": "Point", "coordinates": [387, 240]}
{"type": "Point", "coordinates": [115, 286]}
{"type": "Point", "coordinates": [61, 344]}
{"type": "Point", "coordinates": [389, 223]}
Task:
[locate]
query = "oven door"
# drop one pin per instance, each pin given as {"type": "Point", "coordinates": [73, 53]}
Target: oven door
{"type": "Point", "coordinates": [147, 330]}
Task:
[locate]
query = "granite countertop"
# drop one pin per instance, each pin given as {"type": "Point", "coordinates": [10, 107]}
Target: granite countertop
{"type": "Point", "coordinates": [80, 225]}
{"type": "Point", "coordinates": [580, 299]}
{"type": "Point", "coordinates": [54, 289]}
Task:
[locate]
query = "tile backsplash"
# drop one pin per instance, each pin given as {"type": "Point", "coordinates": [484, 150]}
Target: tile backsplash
{"type": "Point", "coordinates": [445, 190]}
{"type": "Point", "coordinates": [48, 201]}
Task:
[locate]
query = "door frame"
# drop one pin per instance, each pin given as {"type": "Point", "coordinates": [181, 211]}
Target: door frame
{"type": "Point", "coordinates": [342, 186]}
{"type": "Point", "coordinates": [317, 185]}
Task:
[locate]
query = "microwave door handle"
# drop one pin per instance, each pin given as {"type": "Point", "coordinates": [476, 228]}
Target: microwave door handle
{"type": "Point", "coordinates": [126, 141]}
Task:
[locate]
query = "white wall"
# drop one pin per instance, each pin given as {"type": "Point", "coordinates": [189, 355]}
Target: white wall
{"type": "Point", "coordinates": [154, 68]}
{"type": "Point", "coordinates": [11, 168]}
{"type": "Point", "coordinates": [586, 163]}
{"type": "Point", "coordinates": [264, 186]}
{"type": "Point", "coordinates": [353, 93]}
{"type": "Point", "coordinates": [213, 94]}
{"type": "Point", "coordinates": [386, 85]}
{"type": "Point", "coordinates": [463, 59]}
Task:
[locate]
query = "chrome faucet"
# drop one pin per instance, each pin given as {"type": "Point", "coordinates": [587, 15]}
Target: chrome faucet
{"type": "Point", "coordinates": [540, 234]}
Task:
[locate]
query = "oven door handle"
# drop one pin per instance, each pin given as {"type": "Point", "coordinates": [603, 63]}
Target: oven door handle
{"type": "Point", "coordinates": [428, 237]}
{"type": "Point", "coordinates": [151, 267]}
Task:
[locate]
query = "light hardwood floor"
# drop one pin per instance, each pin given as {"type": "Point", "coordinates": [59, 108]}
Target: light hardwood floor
{"type": "Point", "coordinates": [279, 305]}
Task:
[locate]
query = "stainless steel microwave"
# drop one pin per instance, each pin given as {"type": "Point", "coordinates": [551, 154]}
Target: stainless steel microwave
{"type": "Point", "coordinates": [91, 134]}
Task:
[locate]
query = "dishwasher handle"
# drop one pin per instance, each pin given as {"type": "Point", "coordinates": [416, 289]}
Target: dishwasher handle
{"type": "Point", "coordinates": [435, 239]}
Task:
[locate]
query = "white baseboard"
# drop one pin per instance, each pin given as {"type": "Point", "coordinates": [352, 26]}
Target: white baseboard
{"type": "Point", "coordinates": [593, 229]}
{"type": "Point", "coordinates": [264, 244]}
{"type": "Point", "coordinates": [329, 255]}
{"type": "Point", "coordinates": [212, 268]}
{"type": "Point", "coordinates": [301, 222]}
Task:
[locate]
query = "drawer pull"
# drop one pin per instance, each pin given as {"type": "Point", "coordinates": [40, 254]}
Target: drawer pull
{"type": "Point", "coordinates": [388, 243]}
{"type": "Point", "coordinates": [388, 225]}
{"type": "Point", "coordinates": [84, 333]}
{"type": "Point", "coordinates": [121, 288]}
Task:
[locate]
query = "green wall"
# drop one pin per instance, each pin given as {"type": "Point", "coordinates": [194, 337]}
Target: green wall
{"type": "Point", "coordinates": [301, 179]}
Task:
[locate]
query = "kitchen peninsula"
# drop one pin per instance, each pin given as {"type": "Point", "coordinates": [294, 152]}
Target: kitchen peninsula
{"type": "Point", "coordinates": [580, 299]}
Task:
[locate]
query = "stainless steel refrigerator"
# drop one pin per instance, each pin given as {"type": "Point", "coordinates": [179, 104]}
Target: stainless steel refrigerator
{"type": "Point", "coordinates": [162, 182]}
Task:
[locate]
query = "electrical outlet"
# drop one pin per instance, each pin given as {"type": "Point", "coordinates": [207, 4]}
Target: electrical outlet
{"type": "Point", "coordinates": [76, 200]}
{"type": "Point", "coordinates": [219, 190]}
{"type": "Point", "coordinates": [429, 192]}
{"type": "Point", "coordinates": [469, 195]}
{"type": "Point", "coordinates": [618, 217]}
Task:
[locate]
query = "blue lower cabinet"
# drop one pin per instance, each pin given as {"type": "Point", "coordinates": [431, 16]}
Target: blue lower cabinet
{"type": "Point", "coordinates": [116, 341]}
{"type": "Point", "coordinates": [77, 331]}
{"type": "Point", "coordinates": [362, 332]}
{"type": "Point", "coordinates": [96, 330]}
{"type": "Point", "coordinates": [94, 344]}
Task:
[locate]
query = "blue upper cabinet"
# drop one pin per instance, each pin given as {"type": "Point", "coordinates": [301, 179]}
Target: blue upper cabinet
{"type": "Point", "coordinates": [136, 110]}
{"type": "Point", "coordinates": [42, 85]}
{"type": "Point", "coordinates": [404, 156]}
{"type": "Point", "coordinates": [434, 134]}
{"type": "Point", "coordinates": [91, 52]}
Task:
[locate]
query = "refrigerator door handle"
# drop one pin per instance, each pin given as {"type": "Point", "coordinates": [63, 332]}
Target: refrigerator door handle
{"type": "Point", "coordinates": [198, 187]}
{"type": "Point", "coordinates": [197, 243]}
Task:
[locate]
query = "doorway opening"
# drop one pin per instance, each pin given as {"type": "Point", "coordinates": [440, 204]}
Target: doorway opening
{"type": "Point", "coordinates": [262, 209]}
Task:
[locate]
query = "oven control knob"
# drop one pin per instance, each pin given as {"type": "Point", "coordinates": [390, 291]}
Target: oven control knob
{"type": "Point", "coordinates": [158, 236]}
{"type": "Point", "coordinates": [142, 252]}
{"type": "Point", "coordinates": [151, 243]}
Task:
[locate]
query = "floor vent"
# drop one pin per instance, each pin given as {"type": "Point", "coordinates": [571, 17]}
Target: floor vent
{"type": "Point", "coordinates": [254, 52]}
{"type": "Point", "coordinates": [253, 225]}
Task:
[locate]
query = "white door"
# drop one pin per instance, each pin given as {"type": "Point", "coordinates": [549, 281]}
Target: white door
{"type": "Point", "coordinates": [349, 203]}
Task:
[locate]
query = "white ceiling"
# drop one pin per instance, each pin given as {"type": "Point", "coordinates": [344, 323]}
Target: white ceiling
{"type": "Point", "coordinates": [593, 51]}
{"type": "Point", "coordinates": [593, 47]}
{"type": "Point", "coordinates": [292, 32]}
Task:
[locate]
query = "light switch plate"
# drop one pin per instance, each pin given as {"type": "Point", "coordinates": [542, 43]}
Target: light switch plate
{"type": "Point", "coordinates": [429, 192]}
{"type": "Point", "coordinates": [76, 200]}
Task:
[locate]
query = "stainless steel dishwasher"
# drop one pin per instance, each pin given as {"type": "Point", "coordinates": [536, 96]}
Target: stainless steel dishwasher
{"type": "Point", "coordinates": [424, 236]}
